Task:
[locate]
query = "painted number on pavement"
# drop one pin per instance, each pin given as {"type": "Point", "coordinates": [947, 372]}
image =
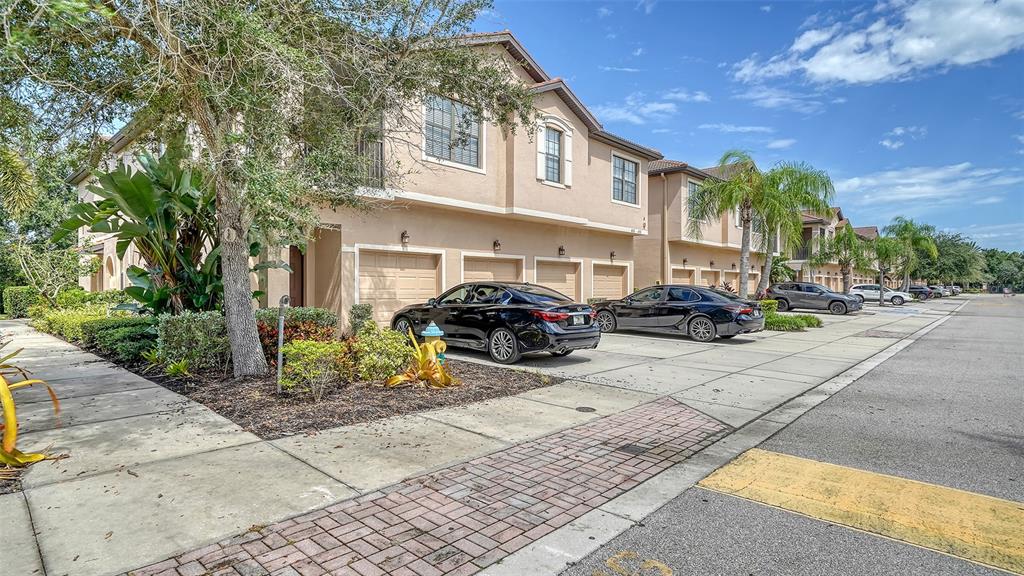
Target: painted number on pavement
{"type": "Point", "coordinates": [628, 563]}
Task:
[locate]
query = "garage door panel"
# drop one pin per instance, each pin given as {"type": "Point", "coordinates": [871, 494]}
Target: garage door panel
{"type": "Point", "coordinates": [490, 270]}
{"type": "Point", "coordinates": [388, 281]}
{"type": "Point", "coordinates": [610, 281]}
{"type": "Point", "coordinates": [680, 276]}
{"type": "Point", "coordinates": [560, 276]}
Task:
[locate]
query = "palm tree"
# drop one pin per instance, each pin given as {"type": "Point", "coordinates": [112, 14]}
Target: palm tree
{"type": "Point", "coordinates": [18, 187]}
{"type": "Point", "coordinates": [888, 252]}
{"type": "Point", "coordinates": [789, 189]}
{"type": "Point", "coordinates": [914, 237]}
{"type": "Point", "coordinates": [846, 249]}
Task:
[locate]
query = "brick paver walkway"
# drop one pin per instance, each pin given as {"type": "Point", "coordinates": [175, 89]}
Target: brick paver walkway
{"type": "Point", "coordinates": [466, 517]}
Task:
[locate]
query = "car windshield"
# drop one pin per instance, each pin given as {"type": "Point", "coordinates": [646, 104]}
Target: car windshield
{"type": "Point", "coordinates": [822, 288]}
{"type": "Point", "coordinates": [539, 294]}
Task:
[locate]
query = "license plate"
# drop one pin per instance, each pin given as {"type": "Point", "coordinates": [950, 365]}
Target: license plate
{"type": "Point", "coordinates": [577, 320]}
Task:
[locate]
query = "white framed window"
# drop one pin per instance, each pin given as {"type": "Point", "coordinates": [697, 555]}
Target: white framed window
{"type": "Point", "coordinates": [625, 186]}
{"type": "Point", "coordinates": [554, 152]}
{"type": "Point", "coordinates": [692, 187]}
{"type": "Point", "coordinates": [451, 132]}
{"type": "Point", "coordinates": [553, 155]}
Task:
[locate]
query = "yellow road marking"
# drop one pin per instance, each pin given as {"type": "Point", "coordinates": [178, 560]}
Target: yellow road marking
{"type": "Point", "coordinates": [979, 528]}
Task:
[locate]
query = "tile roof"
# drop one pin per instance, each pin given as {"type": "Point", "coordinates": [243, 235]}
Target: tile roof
{"type": "Point", "coordinates": [869, 232]}
{"type": "Point", "coordinates": [663, 166]}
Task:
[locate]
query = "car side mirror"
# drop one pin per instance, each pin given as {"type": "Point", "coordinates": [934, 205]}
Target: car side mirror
{"type": "Point", "coordinates": [432, 302]}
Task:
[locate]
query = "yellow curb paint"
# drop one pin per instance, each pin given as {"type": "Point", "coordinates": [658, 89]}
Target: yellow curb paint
{"type": "Point", "coordinates": [972, 526]}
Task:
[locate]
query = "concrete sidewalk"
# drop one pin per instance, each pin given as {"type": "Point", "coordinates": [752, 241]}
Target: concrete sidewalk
{"type": "Point", "coordinates": [153, 474]}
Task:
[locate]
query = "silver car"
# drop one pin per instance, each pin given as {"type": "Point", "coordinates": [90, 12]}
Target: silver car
{"type": "Point", "coordinates": [869, 293]}
{"type": "Point", "coordinates": [944, 290]}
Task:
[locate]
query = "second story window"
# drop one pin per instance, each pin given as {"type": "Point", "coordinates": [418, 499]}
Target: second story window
{"type": "Point", "coordinates": [624, 182]}
{"type": "Point", "coordinates": [692, 187]}
{"type": "Point", "coordinates": [452, 133]}
{"type": "Point", "coordinates": [552, 155]}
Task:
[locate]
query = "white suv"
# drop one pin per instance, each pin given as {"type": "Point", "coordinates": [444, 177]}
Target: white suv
{"type": "Point", "coordinates": [869, 292]}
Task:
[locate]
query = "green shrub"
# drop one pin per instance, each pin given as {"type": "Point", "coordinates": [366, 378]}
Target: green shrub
{"type": "Point", "coordinates": [313, 367]}
{"type": "Point", "coordinates": [808, 320]}
{"type": "Point", "coordinates": [76, 297]}
{"type": "Point", "coordinates": [769, 307]}
{"type": "Point", "coordinates": [36, 311]}
{"type": "Point", "coordinates": [68, 323]}
{"type": "Point", "coordinates": [127, 343]}
{"type": "Point", "coordinates": [17, 300]}
{"type": "Point", "coordinates": [380, 354]}
{"type": "Point", "coordinates": [358, 315]}
{"type": "Point", "coordinates": [92, 328]}
{"type": "Point", "coordinates": [783, 323]}
{"type": "Point", "coordinates": [198, 338]}
{"type": "Point", "coordinates": [318, 324]}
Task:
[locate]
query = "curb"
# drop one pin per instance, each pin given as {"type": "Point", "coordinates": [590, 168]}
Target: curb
{"type": "Point", "coordinates": [552, 554]}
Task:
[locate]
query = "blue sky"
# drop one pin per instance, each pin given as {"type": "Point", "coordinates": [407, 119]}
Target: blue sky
{"type": "Point", "coordinates": [915, 108]}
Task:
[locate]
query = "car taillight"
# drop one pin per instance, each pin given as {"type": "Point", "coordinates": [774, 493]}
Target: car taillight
{"type": "Point", "coordinates": [593, 314]}
{"type": "Point", "coordinates": [549, 316]}
{"type": "Point", "coordinates": [739, 309]}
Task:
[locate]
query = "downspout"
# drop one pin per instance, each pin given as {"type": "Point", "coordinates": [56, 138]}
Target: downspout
{"type": "Point", "coordinates": [666, 256]}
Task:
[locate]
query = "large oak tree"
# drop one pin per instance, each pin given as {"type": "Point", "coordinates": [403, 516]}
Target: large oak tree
{"type": "Point", "coordinates": [281, 97]}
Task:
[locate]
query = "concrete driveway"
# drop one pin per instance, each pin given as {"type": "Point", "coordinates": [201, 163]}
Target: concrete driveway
{"type": "Point", "coordinates": [737, 380]}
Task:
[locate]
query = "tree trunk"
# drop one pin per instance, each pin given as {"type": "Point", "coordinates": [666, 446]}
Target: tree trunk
{"type": "Point", "coordinates": [881, 286]}
{"type": "Point", "coordinates": [246, 351]}
{"type": "Point", "coordinates": [906, 282]}
{"type": "Point", "coordinates": [766, 271]}
{"type": "Point", "coordinates": [846, 279]}
{"type": "Point", "coordinates": [744, 251]}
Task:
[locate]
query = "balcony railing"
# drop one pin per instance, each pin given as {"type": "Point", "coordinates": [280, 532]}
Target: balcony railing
{"type": "Point", "coordinates": [803, 253]}
{"type": "Point", "coordinates": [373, 167]}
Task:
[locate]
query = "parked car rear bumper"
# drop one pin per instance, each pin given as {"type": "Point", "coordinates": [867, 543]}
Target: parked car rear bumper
{"type": "Point", "coordinates": [545, 337]}
{"type": "Point", "coordinates": [740, 326]}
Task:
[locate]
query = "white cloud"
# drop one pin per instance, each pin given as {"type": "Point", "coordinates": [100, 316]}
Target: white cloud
{"type": "Point", "coordinates": [813, 38]}
{"type": "Point", "coordinates": [1019, 137]}
{"type": "Point", "coordinates": [646, 5]}
{"type": "Point", "coordinates": [927, 185]}
{"type": "Point", "coordinates": [619, 69]}
{"type": "Point", "coordinates": [734, 129]}
{"type": "Point", "coordinates": [638, 52]}
{"type": "Point", "coordinates": [780, 144]}
{"type": "Point", "coordinates": [636, 109]}
{"type": "Point", "coordinates": [604, 12]}
{"type": "Point", "coordinates": [766, 8]}
{"type": "Point", "coordinates": [896, 138]}
{"type": "Point", "coordinates": [839, 100]}
{"type": "Point", "coordinates": [1005, 235]}
{"type": "Point", "coordinates": [777, 98]}
{"type": "Point", "coordinates": [683, 95]}
{"type": "Point", "coordinates": [905, 37]}
{"type": "Point", "coordinates": [989, 200]}
{"type": "Point", "coordinates": [661, 131]}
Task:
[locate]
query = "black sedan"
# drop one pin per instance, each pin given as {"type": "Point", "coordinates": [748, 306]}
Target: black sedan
{"type": "Point", "coordinates": [505, 319]}
{"type": "Point", "coordinates": [700, 312]}
{"type": "Point", "coordinates": [921, 292]}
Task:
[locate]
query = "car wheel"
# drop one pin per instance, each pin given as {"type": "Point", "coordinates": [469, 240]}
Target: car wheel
{"type": "Point", "coordinates": [606, 321]}
{"type": "Point", "coordinates": [897, 301]}
{"type": "Point", "coordinates": [560, 353]}
{"type": "Point", "coordinates": [783, 305]}
{"type": "Point", "coordinates": [837, 308]}
{"type": "Point", "coordinates": [861, 298]}
{"type": "Point", "coordinates": [502, 346]}
{"type": "Point", "coordinates": [403, 325]}
{"type": "Point", "coordinates": [702, 329]}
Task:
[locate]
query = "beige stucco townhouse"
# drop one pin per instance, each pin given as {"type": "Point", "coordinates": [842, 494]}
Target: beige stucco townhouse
{"type": "Point", "coordinates": [560, 208]}
{"type": "Point", "coordinates": [670, 254]}
{"type": "Point", "coordinates": [829, 274]}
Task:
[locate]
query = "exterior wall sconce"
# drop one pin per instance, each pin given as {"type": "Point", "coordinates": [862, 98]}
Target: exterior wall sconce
{"type": "Point", "coordinates": [685, 260]}
{"type": "Point", "coordinates": [405, 237]}
{"type": "Point", "coordinates": [497, 246]}
{"type": "Point", "coordinates": [711, 263]}
{"type": "Point", "coordinates": [612, 255]}
{"type": "Point", "coordinates": [733, 265]}
{"type": "Point", "coordinates": [561, 250]}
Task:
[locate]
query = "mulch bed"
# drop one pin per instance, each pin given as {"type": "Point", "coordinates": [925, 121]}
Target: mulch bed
{"type": "Point", "coordinates": [9, 480]}
{"type": "Point", "coordinates": [255, 405]}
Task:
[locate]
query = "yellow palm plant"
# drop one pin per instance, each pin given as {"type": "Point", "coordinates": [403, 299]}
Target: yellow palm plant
{"type": "Point", "coordinates": [425, 366]}
{"type": "Point", "coordinates": [9, 454]}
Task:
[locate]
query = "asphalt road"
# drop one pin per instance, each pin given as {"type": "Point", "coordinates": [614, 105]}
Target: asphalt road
{"type": "Point", "coordinates": [946, 410]}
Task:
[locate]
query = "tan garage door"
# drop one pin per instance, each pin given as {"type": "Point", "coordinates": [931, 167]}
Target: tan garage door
{"type": "Point", "coordinates": [733, 278]}
{"type": "Point", "coordinates": [609, 281]}
{"type": "Point", "coordinates": [561, 276]}
{"type": "Point", "coordinates": [709, 277]}
{"type": "Point", "coordinates": [680, 276]}
{"type": "Point", "coordinates": [752, 283]}
{"type": "Point", "coordinates": [390, 280]}
{"type": "Point", "coordinates": [490, 270]}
